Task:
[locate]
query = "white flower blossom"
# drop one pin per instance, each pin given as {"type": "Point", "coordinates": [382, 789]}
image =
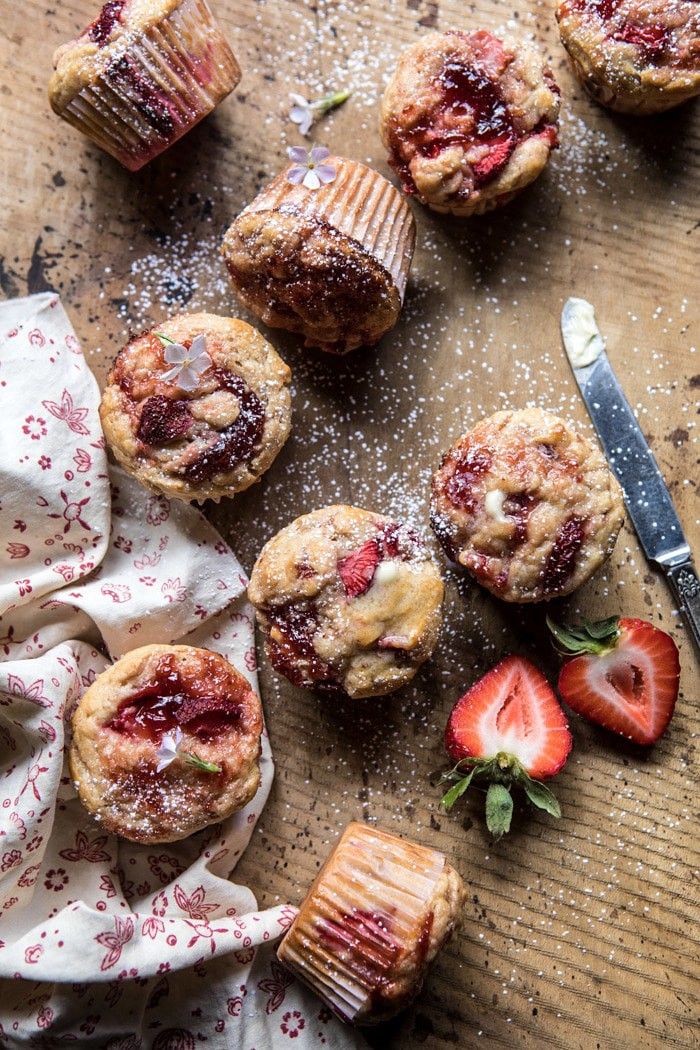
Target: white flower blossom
{"type": "Point", "coordinates": [188, 365]}
{"type": "Point", "coordinates": [167, 752]}
{"type": "Point", "coordinates": [308, 167]}
{"type": "Point", "coordinates": [305, 113]}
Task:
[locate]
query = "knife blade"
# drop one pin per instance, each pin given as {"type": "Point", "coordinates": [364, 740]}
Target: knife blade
{"type": "Point", "coordinates": [631, 460]}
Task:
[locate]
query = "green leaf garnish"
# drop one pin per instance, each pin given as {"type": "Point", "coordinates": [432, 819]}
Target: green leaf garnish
{"type": "Point", "coordinates": [456, 791]}
{"type": "Point", "coordinates": [540, 796]}
{"type": "Point", "coordinates": [589, 637]}
{"type": "Point", "coordinates": [332, 101]}
{"type": "Point", "coordinates": [499, 810]}
{"type": "Point", "coordinates": [164, 338]}
{"type": "Point", "coordinates": [199, 763]}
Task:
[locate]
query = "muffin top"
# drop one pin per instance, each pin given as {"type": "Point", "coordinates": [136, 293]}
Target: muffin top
{"type": "Point", "coordinates": [527, 505]}
{"type": "Point", "coordinates": [105, 41]}
{"type": "Point", "coordinates": [329, 263]}
{"type": "Point", "coordinates": [166, 741]}
{"type": "Point", "coordinates": [348, 600]}
{"type": "Point", "coordinates": [642, 44]}
{"type": "Point", "coordinates": [467, 116]}
{"type": "Point", "coordinates": [198, 407]}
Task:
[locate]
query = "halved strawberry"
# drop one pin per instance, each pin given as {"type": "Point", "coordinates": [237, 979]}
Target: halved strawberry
{"type": "Point", "coordinates": [357, 569]}
{"type": "Point", "coordinates": [623, 675]}
{"type": "Point", "coordinates": [509, 729]}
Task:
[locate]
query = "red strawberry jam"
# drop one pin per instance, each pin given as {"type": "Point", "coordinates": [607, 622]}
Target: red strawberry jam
{"type": "Point", "coordinates": [168, 701]}
{"type": "Point", "coordinates": [519, 506]}
{"type": "Point", "coordinates": [239, 441]}
{"type": "Point", "coordinates": [561, 560]}
{"type": "Point", "coordinates": [163, 420]}
{"type": "Point", "coordinates": [292, 651]}
{"type": "Point", "coordinates": [652, 40]}
{"type": "Point", "coordinates": [366, 936]}
{"type": "Point", "coordinates": [471, 112]}
{"type": "Point", "coordinates": [100, 30]}
{"type": "Point", "coordinates": [469, 465]}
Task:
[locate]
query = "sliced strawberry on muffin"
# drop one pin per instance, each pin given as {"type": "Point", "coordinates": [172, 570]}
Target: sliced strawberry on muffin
{"type": "Point", "coordinates": [508, 729]}
{"type": "Point", "coordinates": [623, 674]}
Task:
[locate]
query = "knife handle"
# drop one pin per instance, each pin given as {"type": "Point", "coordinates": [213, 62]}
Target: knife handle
{"type": "Point", "coordinates": [686, 587]}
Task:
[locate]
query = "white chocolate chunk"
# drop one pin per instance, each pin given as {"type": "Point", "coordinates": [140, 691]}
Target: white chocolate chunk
{"type": "Point", "coordinates": [493, 504]}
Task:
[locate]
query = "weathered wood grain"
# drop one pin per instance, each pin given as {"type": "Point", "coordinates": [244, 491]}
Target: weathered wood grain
{"type": "Point", "coordinates": [580, 933]}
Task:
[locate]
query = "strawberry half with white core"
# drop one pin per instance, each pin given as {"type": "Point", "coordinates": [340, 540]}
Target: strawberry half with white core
{"type": "Point", "coordinates": [508, 729]}
{"type": "Point", "coordinates": [623, 674]}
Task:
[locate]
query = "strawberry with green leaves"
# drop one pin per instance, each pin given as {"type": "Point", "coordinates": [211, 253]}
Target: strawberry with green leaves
{"type": "Point", "coordinates": [508, 729]}
{"type": "Point", "coordinates": [622, 674]}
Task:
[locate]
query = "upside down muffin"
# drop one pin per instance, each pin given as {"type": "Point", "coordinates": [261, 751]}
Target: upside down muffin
{"type": "Point", "coordinates": [634, 56]}
{"type": "Point", "coordinates": [347, 601]}
{"type": "Point", "coordinates": [379, 911]}
{"type": "Point", "coordinates": [142, 74]}
{"type": "Point", "coordinates": [527, 505]}
{"type": "Point", "coordinates": [165, 742]}
{"type": "Point", "coordinates": [198, 408]}
{"type": "Point", "coordinates": [469, 120]}
{"type": "Point", "coordinates": [329, 263]}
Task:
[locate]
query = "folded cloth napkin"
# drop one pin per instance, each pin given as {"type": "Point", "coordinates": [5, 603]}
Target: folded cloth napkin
{"type": "Point", "coordinates": [102, 941]}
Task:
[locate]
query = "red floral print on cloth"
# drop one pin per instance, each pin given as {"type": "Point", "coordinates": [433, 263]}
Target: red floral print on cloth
{"type": "Point", "coordinates": [155, 912]}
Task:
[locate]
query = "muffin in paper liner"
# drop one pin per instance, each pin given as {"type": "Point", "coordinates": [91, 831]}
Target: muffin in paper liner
{"type": "Point", "coordinates": [330, 263]}
{"type": "Point", "coordinates": [142, 75]}
{"type": "Point", "coordinates": [377, 914]}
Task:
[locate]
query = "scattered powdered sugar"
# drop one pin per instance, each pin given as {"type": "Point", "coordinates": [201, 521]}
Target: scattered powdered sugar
{"type": "Point", "coordinates": [368, 429]}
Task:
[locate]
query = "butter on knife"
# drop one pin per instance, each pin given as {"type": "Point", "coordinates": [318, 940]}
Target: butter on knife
{"type": "Point", "coordinates": [582, 339]}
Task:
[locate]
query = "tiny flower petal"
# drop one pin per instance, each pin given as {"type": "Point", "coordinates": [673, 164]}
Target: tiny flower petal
{"type": "Point", "coordinates": [188, 379]}
{"type": "Point", "coordinates": [199, 346]}
{"type": "Point", "coordinates": [325, 172]}
{"type": "Point", "coordinates": [298, 154]}
{"type": "Point", "coordinates": [200, 364]}
{"type": "Point", "coordinates": [299, 100]}
{"type": "Point", "coordinates": [296, 175]}
{"type": "Point", "coordinates": [319, 153]}
{"type": "Point", "coordinates": [172, 374]}
{"type": "Point", "coordinates": [311, 180]}
{"type": "Point", "coordinates": [175, 354]}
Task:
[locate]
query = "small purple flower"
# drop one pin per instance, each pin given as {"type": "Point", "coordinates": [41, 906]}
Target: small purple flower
{"type": "Point", "coordinates": [188, 365]}
{"type": "Point", "coordinates": [305, 113]}
{"type": "Point", "coordinates": [308, 167]}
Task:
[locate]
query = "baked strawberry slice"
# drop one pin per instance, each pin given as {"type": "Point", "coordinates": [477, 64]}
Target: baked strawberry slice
{"type": "Point", "coordinates": [357, 569]}
{"type": "Point", "coordinates": [623, 674]}
{"type": "Point", "coordinates": [508, 729]}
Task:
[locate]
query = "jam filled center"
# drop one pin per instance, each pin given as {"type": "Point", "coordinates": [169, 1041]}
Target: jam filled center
{"type": "Point", "coordinates": [166, 703]}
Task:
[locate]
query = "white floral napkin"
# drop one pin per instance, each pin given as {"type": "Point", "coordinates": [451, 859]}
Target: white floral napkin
{"type": "Point", "coordinates": [104, 942]}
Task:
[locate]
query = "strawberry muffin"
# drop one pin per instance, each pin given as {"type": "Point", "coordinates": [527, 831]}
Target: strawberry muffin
{"type": "Point", "coordinates": [527, 505]}
{"type": "Point", "coordinates": [324, 251]}
{"type": "Point", "coordinates": [141, 75]}
{"type": "Point", "coordinates": [165, 742]}
{"type": "Point", "coordinates": [198, 408]}
{"type": "Point", "coordinates": [348, 601]}
{"type": "Point", "coordinates": [634, 56]}
{"type": "Point", "coordinates": [378, 913]}
{"type": "Point", "coordinates": [469, 120]}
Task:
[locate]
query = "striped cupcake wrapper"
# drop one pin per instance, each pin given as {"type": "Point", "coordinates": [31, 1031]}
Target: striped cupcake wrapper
{"type": "Point", "coordinates": [367, 909]}
{"type": "Point", "coordinates": [158, 84]}
{"type": "Point", "coordinates": [359, 203]}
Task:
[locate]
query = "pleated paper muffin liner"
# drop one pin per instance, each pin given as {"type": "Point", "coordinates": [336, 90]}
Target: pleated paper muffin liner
{"type": "Point", "coordinates": [360, 204]}
{"type": "Point", "coordinates": [159, 82]}
{"type": "Point", "coordinates": [368, 909]}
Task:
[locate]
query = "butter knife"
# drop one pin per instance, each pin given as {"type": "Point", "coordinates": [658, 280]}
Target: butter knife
{"type": "Point", "coordinates": [647, 498]}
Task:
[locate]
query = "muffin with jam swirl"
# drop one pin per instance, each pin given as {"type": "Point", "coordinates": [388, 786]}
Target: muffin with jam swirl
{"type": "Point", "coordinates": [469, 120]}
{"type": "Point", "coordinates": [198, 408]}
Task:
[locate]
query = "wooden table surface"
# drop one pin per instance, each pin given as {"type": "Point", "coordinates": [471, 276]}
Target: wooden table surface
{"type": "Point", "coordinates": [580, 932]}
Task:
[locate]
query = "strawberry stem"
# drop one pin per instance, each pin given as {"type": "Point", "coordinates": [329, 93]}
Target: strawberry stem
{"type": "Point", "coordinates": [595, 637]}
